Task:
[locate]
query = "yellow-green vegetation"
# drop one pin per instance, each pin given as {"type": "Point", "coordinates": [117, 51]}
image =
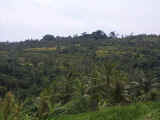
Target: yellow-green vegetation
{"type": "Point", "coordinates": [108, 51]}
{"type": "Point", "coordinates": [78, 45]}
{"type": "Point", "coordinates": [41, 49]}
{"type": "Point", "coordinates": [3, 52]}
{"type": "Point", "coordinates": [101, 53]}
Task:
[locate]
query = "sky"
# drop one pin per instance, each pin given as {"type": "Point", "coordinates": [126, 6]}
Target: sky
{"type": "Point", "coordinates": [26, 19]}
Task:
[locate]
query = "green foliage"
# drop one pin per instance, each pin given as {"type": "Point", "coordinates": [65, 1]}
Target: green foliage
{"type": "Point", "coordinates": [77, 105]}
{"type": "Point", "coordinates": [72, 75]}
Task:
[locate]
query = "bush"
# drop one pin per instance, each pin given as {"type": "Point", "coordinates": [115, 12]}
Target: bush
{"type": "Point", "coordinates": [77, 105]}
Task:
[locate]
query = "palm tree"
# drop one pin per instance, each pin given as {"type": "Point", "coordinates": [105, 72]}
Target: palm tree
{"type": "Point", "coordinates": [142, 85]}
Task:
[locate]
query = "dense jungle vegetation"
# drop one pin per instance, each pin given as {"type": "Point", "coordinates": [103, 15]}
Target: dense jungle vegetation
{"type": "Point", "coordinates": [67, 76]}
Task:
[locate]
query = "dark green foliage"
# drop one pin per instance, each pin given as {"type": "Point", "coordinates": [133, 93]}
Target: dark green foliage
{"type": "Point", "coordinates": [48, 37]}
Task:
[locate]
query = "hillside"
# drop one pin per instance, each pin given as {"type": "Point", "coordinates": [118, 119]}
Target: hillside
{"type": "Point", "coordinates": [80, 75]}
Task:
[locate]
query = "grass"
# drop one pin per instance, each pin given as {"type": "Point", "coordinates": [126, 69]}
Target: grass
{"type": "Point", "coordinates": [148, 111]}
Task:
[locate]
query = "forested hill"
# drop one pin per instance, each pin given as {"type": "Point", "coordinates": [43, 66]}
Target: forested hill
{"type": "Point", "coordinates": [70, 75]}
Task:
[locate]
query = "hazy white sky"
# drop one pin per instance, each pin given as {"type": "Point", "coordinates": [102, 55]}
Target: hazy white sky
{"type": "Point", "coordinates": [22, 19]}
